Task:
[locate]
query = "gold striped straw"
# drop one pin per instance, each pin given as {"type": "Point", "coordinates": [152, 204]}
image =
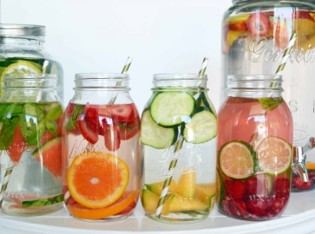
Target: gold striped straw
{"type": "Point", "coordinates": [5, 183]}
{"type": "Point", "coordinates": [284, 58]}
{"type": "Point", "coordinates": [123, 71]}
{"type": "Point", "coordinates": [178, 146]}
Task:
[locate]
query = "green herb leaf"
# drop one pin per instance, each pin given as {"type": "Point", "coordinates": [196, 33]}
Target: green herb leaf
{"type": "Point", "coordinates": [7, 132]}
{"type": "Point", "coordinates": [51, 126]}
{"type": "Point", "coordinates": [54, 113]}
{"type": "Point", "coordinates": [270, 103]}
{"type": "Point", "coordinates": [71, 124]}
{"type": "Point", "coordinates": [43, 202]}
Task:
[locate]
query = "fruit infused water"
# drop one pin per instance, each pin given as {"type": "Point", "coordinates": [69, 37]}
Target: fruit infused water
{"type": "Point", "coordinates": [102, 153]}
{"type": "Point", "coordinates": [254, 149]}
{"type": "Point", "coordinates": [255, 35]}
{"type": "Point", "coordinates": [178, 134]}
{"type": "Point", "coordinates": [30, 144]}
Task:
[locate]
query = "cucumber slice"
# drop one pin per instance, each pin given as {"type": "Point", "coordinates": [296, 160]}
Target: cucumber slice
{"type": "Point", "coordinates": [172, 108]}
{"type": "Point", "coordinates": [154, 135]}
{"type": "Point", "coordinates": [201, 128]}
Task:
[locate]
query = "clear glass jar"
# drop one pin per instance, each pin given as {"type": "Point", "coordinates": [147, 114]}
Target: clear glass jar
{"type": "Point", "coordinates": [255, 35]}
{"type": "Point", "coordinates": [22, 53]}
{"type": "Point", "coordinates": [178, 134]}
{"type": "Point", "coordinates": [102, 152]}
{"type": "Point", "coordinates": [30, 144]}
{"type": "Point", "coordinates": [255, 152]}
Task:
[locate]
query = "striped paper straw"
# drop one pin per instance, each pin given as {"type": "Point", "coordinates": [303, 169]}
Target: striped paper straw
{"type": "Point", "coordinates": [5, 183]}
{"type": "Point", "coordinates": [178, 146]}
{"type": "Point", "coordinates": [285, 57]}
{"type": "Point", "coordinates": [123, 71]}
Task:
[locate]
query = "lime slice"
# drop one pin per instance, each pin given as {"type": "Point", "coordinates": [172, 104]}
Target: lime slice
{"type": "Point", "coordinates": [22, 68]}
{"type": "Point", "coordinates": [274, 155]}
{"type": "Point", "coordinates": [236, 160]}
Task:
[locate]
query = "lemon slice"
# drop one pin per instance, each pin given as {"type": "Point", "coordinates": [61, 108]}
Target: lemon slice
{"type": "Point", "coordinates": [22, 68]}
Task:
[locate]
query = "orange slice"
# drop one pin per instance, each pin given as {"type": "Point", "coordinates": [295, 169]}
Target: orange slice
{"type": "Point", "coordinates": [126, 200]}
{"type": "Point", "coordinates": [236, 160]}
{"type": "Point", "coordinates": [96, 179]}
{"type": "Point", "coordinates": [274, 155]}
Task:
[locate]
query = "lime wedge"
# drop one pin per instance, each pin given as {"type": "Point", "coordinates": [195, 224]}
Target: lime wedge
{"type": "Point", "coordinates": [22, 68]}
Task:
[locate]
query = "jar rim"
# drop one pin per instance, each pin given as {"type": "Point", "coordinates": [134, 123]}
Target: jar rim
{"type": "Point", "coordinates": [183, 76]}
{"type": "Point", "coordinates": [96, 76]}
{"type": "Point", "coordinates": [22, 30]}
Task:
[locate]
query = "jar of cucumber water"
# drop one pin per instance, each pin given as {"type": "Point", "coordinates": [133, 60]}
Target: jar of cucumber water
{"type": "Point", "coordinates": [22, 53]}
{"type": "Point", "coordinates": [178, 134]}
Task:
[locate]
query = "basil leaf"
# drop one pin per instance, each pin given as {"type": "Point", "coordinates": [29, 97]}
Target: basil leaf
{"type": "Point", "coordinates": [54, 113]}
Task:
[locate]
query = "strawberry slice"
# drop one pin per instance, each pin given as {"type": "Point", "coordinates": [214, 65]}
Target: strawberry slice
{"type": "Point", "coordinates": [121, 112]}
{"type": "Point", "coordinates": [91, 118]}
{"type": "Point", "coordinates": [17, 146]}
{"type": "Point", "coordinates": [281, 34]}
{"type": "Point", "coordinates": [126, 132]}
{"type": "Point", "coordinates": [88, 134]}
{"type": "Point", "coordinates": [258, 24]}
{"type": "Point", "coordinates": [111, 135]}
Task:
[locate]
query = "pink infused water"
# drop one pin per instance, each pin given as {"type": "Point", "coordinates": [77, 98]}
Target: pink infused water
{"type": "Point", "coordinates": [254, 157]}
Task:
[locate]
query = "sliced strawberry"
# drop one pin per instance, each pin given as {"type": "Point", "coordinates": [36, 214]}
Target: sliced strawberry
{"type": "Point", "coordinates": [281, 34]}
{"type": "Point", "coordinates": [111, 135]}
{"type": "Point", "coordinates": [235, 189]}
{"type": "Point", "coordinates": [88, 134]}
{"type": "Point", "coordinates": [302, 15]}
{"type": "Point", "coordinates": [91, 118]}
{"type": "Point", "coordinates": [121, 112]}
{"type": "Point", "coordinates": [258, 24]}
{"type": "Point", "coordinates": [128, 131]}
{"type": "Point", "coordinates": [17, 146]}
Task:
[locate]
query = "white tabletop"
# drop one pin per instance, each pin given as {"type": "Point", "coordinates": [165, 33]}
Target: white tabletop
{"type": "Point", "coordinates": [299, 217]}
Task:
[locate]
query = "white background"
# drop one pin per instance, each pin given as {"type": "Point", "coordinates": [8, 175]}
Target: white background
{"type": "Point", "coordinates": [98, 35]}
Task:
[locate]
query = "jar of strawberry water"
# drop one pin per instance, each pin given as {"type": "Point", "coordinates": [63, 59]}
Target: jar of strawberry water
{"type": "Point", "coordinates": [102, 153]}
{"type": "Point", "coordinates": [255, 36]}
{"type": "Point", "coordinates": [254, 149]}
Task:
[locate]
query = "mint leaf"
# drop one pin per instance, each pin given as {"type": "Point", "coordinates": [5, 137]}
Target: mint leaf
{"type": "Point", "coordinates": [51, 126]}
{"type": "Point", "coordinates": [7, 132]}
{"type": "Point", "coordinates": [54, 113]}
{"type": "Point", "coordinates": [71, 124]}
{"type": "Point", "coordinates": [43, 202]}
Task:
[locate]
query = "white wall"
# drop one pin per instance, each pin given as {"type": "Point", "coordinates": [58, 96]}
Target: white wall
{"type": "Point", "coordinates": [98, 36]}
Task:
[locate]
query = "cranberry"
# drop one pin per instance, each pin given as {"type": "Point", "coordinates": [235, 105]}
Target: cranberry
{"type": "Point", "coordinates": [258, 206]}
{"type": "Point", "coordinates": [282, 187]}
{"type": "Point", "coordinates": [236, 208]}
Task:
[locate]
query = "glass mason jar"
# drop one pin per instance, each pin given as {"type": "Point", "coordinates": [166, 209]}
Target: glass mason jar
{"type": "Point", "coordinates": [30, 144]}
{"type": "Point", "coordinates": [178, 134]}
{"type": "Point", "coordinates": [102, 152]}
{"type": "Point", "coordinates": [255, 153]}
{"type": "Point", "coordinates": [22, 53]}
{"type": "Point", "coordinates": [255, 36]}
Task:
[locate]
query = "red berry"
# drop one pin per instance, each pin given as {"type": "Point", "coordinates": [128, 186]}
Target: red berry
{"type": "Point", "coordinates": [260, 184]}
{"type": "Point", "coordinates": [311, 174]}
{"type": "Point", "coordinates": [298, 184]}
{"type": "Point", "coordinates": [258, 24]}
{"type": "Point", "coordinates": [258, 206]}
{"type": "Point", "coordinates": [235, 208]}
{"type": "Point", "coordinates": [282, 187]}
{"type": "Point", "coordinates": [235, 189]}
{"type": "Point", "coordinates": [277, 205]}
{"type": "Point", "coordinates": [91, 118]}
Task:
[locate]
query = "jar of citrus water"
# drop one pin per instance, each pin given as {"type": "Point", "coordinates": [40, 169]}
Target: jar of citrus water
{"type": "Point", "coordinates": [178, 134]}
{"type": "Point", "coordinates": [22, 53]}
{"type": "Point", "coordinates": [102, 153]}
{"type": "Point", "coordinates": [30, 145]}
{"type": "Point", "coordinates": [254, 149]}
{"type": "Point", "coordinates": [255, 36]}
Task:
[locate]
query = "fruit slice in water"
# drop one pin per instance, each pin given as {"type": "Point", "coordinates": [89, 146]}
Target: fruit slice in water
{"type": "Point", "coordinates": [201, 128]}
{"type": "Point", "coordinates": [96, 179]}
{"type": "Point", "coordinates": [154, 135]}
{"type": "Point", "coordinates": [50, 155]}
{"type": "Point", "coordinates": [18, 143]}
{"type": "Point", "coordinates": [172, 108]}
{"type": "Point", "coordinates": [21, 68]}
{"type": "Point", "coordinates": [236, 160]}
{"type": "Point", "coordinates": [157, 187]}
{"type": "Point", "coordinates": [274, 155]}
{"type": "Point", "coordinates": [120, 205]}
{"type": "Point", "coordinates": [186, 185]}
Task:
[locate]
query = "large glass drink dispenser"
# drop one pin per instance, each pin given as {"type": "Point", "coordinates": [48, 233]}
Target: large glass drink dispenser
{"type": "Point", "coordinates": [259, 36]}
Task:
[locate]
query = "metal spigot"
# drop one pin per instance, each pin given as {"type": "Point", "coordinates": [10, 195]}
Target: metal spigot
{"type": "Point", "coordinates": [299, 158]}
